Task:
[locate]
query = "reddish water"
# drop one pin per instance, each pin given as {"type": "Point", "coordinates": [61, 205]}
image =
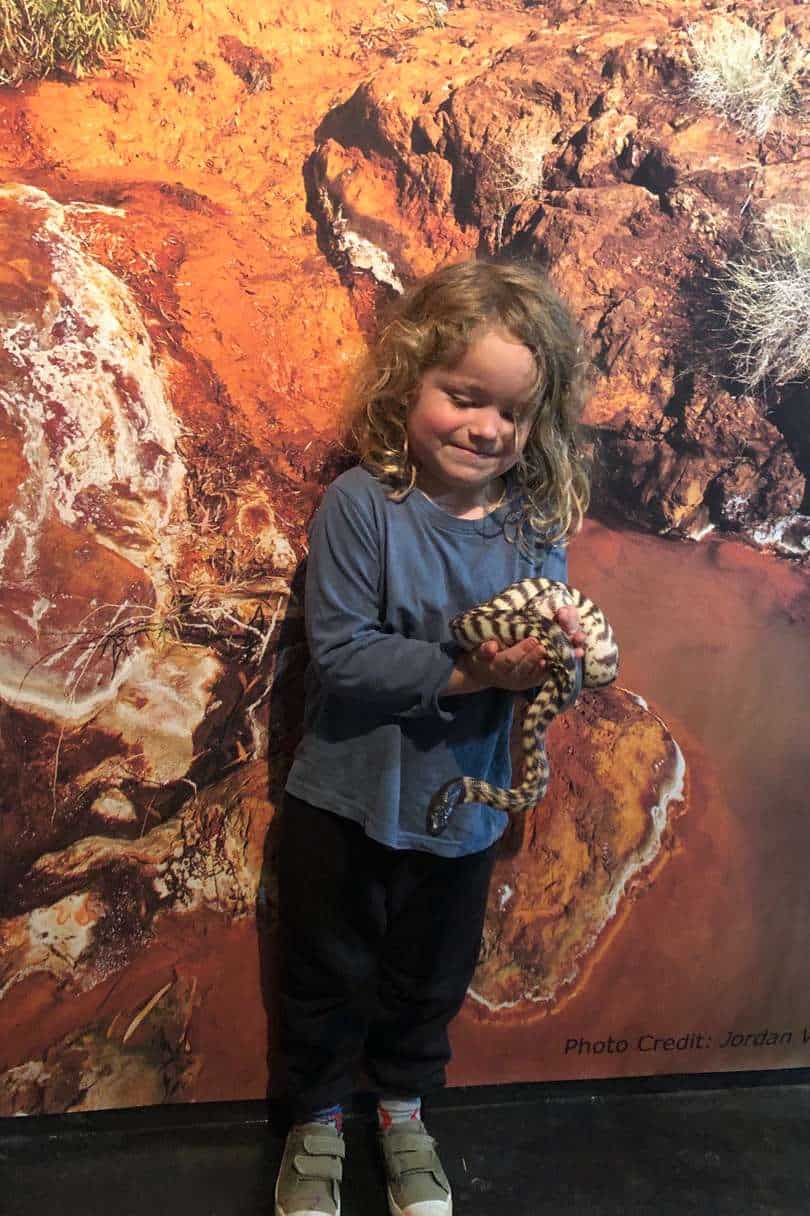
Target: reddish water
{"type": "Point", "coordinates": [715, 636]}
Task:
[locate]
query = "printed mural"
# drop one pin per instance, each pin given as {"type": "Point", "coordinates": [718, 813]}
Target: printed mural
{"type": "Point", "coordinates": [195, 231]}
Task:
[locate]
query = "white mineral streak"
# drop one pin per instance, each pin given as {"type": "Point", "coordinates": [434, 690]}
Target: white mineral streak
{"type": "Point", "coordinates": [736, 505]}
{"type": "Point", "coordinates": [697, 534]}
{"type": "Point", "coordinates": [159, 705]}
{"type": "Point", "coordinates": [790, 535]}
{"type": "Point", "coordinates": [24, 1078]}
{"type": "Point", "coordinates": [102, 432]}
{"type": "Point", "coordinates": [208, 856]}
{"type": "Point", "coordinates": [114, 807]}
{"type": "Point", "coordinates": [50, 939]}
{"type": "Point", "coordinates": [505, 893]}
{"type": "Point", "coordinates": [84, 432]}
{"type": "Point", "coordinates": [635, 865]}
{"type": "Point", "coordinates": [362, 253]}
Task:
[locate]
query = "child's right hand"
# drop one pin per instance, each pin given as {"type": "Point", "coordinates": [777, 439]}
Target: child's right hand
{"type": "Point", "coordinates": [514, 668]}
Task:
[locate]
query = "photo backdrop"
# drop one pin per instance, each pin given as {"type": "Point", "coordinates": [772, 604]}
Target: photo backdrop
{"type": "Point", "coordinates": [194, 237]}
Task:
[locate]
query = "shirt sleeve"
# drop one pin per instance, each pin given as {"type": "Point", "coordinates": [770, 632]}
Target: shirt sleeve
{"type": "Point", "coordinates": [354, 655]}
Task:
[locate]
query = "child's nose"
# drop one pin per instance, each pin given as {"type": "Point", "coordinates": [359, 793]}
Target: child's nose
{"type": "Point", "coordinates": [486, 424]}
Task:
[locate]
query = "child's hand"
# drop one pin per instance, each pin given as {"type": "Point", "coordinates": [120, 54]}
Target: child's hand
{"type": "Point", "coordinates": [520, 667]}
{"type": "Point", "coordinates": [568, 620]}
{"type": "Point", "coordinates": [514, 668]}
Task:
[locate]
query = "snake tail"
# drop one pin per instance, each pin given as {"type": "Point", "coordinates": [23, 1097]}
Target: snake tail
{"type": "Point", "coordinates": [443, 804]}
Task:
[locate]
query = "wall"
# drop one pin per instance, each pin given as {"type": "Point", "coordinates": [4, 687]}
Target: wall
{"type": "Point", "coordinates": [194, 239]}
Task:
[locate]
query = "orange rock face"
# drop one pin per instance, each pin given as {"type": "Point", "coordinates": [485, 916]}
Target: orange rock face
{"type": "Point", "coordinates": [119, 930]}
{"type": "Point", "coordinates": [125, 609]}
{"type": "Point", "coordinates": [579, 147]}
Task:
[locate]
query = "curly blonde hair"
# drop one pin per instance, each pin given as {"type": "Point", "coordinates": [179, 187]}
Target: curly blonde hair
{"type": "Point", "coordinates": [432, 324]}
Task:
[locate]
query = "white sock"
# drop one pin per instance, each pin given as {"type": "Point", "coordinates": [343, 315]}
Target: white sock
{"type": "Point", "coordinates": [397, 1110]}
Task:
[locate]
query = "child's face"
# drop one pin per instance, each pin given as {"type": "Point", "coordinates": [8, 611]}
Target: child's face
{"type": "Point", "coordinates": [468, 424]}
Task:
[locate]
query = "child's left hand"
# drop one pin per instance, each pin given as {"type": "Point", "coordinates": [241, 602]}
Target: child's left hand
{"type": "Point", "coordinates": [568, 619]}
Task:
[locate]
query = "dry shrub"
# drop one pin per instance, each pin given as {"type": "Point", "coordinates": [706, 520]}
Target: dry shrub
{"type": "Point", "coordinates": [766, 294]}
{"type": "Point", "coordinates": [436, 12]}
{"type": "Point", "coordinates": [516, 176]}
{"type": "Point", "coordinates": [744, 76]}
{"type": "Point", "coordinates": [520, 171]}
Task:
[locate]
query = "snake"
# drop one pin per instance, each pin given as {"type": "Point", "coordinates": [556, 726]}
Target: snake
{"type": "Point", "coordinates": [527, 610]}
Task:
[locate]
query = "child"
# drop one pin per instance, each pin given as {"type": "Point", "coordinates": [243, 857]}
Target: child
{"type": "Point", "coordinates": [471, 478]}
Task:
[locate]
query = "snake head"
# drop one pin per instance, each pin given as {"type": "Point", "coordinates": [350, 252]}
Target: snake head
{"type": "Point", "coordinates": [443, 804]}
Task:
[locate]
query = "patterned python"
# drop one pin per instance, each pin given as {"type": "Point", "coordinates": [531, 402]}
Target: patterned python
{"type": "Point", "coordinates": [526, 610]}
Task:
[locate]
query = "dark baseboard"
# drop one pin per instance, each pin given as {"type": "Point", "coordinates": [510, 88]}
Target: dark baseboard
{"type": "Point", "coordinates": [233, 1117]}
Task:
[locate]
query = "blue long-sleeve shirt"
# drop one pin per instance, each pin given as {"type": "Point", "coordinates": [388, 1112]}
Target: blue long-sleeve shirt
{"type": "Point", "coordinates": [383, 580]}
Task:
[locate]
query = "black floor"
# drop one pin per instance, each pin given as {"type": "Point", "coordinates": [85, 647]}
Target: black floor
{"type": "Point", "coordinates": [701, 1145]}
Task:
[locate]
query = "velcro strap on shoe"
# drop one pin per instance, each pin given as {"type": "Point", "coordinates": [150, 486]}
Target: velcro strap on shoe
{"type": "Point", "coordinates": [327, 1169]}
{"type": "Point", "coordinates": [408, 1142]}
{"type": "Point", "coordinates": [324, 1146]}
{"type": "Point", "coordinates": [414, 1163]}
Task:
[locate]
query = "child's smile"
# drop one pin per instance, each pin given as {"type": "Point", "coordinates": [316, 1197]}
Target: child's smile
{"type": "Point", "coordinates": [469, 423]}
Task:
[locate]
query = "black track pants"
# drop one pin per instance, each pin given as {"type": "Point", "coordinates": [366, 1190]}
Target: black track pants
{"type": "Point", "coordinates": [378, 947]}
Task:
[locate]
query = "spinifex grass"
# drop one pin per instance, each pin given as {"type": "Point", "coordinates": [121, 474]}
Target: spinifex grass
{"type": "Point", "coordinates": [766, 295]}
{"type": "Point", "coordinates": [748, 78]}
{"type": "Point", "coordinates": [39, 36]}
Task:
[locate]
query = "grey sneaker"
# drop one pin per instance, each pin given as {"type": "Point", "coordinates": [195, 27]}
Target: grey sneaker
{"type": "Point", "coordinates": [308, 1182]}
{"type": "Point", "coordinates": [417, 1184]}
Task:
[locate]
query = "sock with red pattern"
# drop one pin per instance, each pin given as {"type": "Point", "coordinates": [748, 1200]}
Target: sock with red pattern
{"type": "Point", "coordinates": [397, 1110]}
{"type": "Point", "coordinates": [330, 1114]}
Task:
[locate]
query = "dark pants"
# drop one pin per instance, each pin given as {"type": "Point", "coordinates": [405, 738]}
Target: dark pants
{"type": "Point", "coordinates": [378, 947]}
